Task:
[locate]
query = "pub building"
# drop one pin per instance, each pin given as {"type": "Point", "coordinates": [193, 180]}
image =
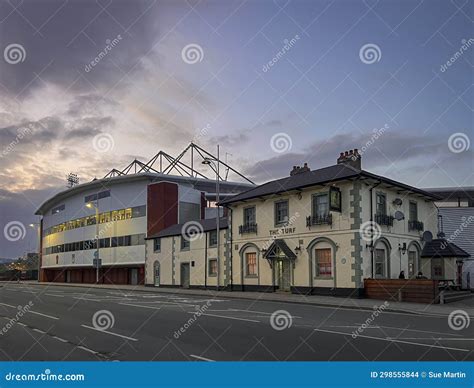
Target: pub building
{"type": "Point", "coordinates": [317, 231]}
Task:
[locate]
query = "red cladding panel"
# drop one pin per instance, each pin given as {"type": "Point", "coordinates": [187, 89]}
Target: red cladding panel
{"type": "Point", "coordinates": [162, 206]}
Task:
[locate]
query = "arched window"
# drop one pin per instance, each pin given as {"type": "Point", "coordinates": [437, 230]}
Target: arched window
{"type": "Point", "coordinates": [156, 273]}
{"type": "Point", "coordinates": [413, 259]}
{"type": "Point", "coordinates": [382, 259]}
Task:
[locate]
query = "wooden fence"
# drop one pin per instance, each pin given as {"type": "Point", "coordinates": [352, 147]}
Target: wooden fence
{"type": "Point", "coordinates": [402, 290]}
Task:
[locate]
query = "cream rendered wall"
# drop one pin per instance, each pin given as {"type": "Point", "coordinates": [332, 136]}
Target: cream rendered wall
{"type": "Point", "coordinates": [171, 256]}
{"type": "Point", "coordinates": [399, 233]}
{"type": "Point", "coordinates": [299, 209]}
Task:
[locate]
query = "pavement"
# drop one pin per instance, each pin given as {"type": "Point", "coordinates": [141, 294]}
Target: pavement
{"type": "Point", "coordinates": [122, 323]}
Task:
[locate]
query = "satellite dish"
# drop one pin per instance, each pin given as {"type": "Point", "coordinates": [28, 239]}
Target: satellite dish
{"type": "Point", "coordinates": [397, 202]}
{"type": "Point", "coordinates": [427, 236]}
{"type": "Point", "coordinates": [399, 215]}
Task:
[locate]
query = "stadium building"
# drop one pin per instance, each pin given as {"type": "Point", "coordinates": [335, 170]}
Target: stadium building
{"type": "Point", "coordinates": [108, 219]}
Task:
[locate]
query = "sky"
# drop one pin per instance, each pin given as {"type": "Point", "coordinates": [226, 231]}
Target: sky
{"type": "Point", "coordinates": [87, 86]}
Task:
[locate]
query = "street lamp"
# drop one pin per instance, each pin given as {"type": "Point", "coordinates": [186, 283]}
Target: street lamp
{"type": "Point", "coordinates": [212, 161]}
{"type": "Point", "coordinates": [37, 227]}
{"type": "Point", "coordinates": [91, 205]}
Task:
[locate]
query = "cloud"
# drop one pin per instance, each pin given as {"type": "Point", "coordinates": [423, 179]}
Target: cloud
{"type": "Point", "coordinates": [405, 154]}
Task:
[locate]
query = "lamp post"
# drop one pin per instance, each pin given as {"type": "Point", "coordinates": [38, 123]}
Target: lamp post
{"type": "Point", "coordinates": [91, 205]}
{"type": "Point", "coordinates": [36, 226]}
{"type": "Point", "coordinates": [215, 163]}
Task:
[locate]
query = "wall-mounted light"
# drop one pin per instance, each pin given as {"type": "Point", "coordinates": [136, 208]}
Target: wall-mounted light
{"type": "Point", "coordinates": [298, 249]}
{"type": "Point", "coordinates": [402, 248]}
{"type": "Point", "coordinates": [370, 247]}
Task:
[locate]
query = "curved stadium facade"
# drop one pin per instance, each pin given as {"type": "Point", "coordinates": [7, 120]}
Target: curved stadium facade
{"type": "Point", "coordinates": [129, 207]}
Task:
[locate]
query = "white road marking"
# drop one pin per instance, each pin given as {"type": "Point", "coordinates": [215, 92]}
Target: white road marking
{"type": "Point", "coordinates": [414, 330]}
{"type": "Point", "coordinates": [225, 317]}
{"type": "Point", "coordinates": [435, 338]}
{"type": "Point", "coordinates": [92, 300]}
{"type": "Point", "coordinates": [201, 358]}
{"type": "Point", "coordinates": [87, 349]}
{"type": "Point", "coordinates": [353, 326]}
{"type": "Point", "coordinates": [57, 296]}
{"type": "Point", "coordinates": [137, 305]}
{"type": "Point", "coordinates": [393, 340]}
{"type": "Point", "coordinates": [109, 332]}
{"type": "Point", "coordinates": [39, 331]}
{"type": "Point", "coordinates": [60, 339]}
{"type": "Point", "coordinates": [31, 311]}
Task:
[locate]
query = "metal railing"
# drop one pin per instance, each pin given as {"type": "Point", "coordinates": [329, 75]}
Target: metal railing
{"type": "Point", "coordinates": [248, 228]}
{"type": "Point", "coordinates": [415, 225]}
{"type": "Point", "coordinates": [383, 219]}
{"type": "Point", "coordinates": [325, 219]}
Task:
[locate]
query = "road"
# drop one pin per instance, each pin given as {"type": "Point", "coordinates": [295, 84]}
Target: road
{"type": "Point", "coordinates": [71, 323]}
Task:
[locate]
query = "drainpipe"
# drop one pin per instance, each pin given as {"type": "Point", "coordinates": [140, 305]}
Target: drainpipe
{"type": "Point", "coordinates": [371, 222]}
{"type": "Point", "coordinates": [231, 247]}
{"type": "Point", "coordinates": [205, 264]}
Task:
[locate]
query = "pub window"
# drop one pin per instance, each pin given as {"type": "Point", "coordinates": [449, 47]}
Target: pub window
{"type": "Point", "coordinates": [249, 215]}
{"type": "Point", "coordinates": [212, 267]}
{"type": "Point", "coordinates": [184, 243]}
{"type": "Point", "coordinates": [213, 238]}
{"type": "Point", "coordinates": [157, 245]}
{"type": "Point", "coordinates": [281, 212]}
{"type": "Point", "coordinates": [381, 204]}
{"type": "Point", "coordinates": [320, 205]}
{"type": "Point", "coordinates": [335, 199]}
{"type": "Point", "coordinates": [413, 211]}
{"type": "Point", "coordinates": [323, 262]}
{"type": "Point", "coordinates": [251, 263]}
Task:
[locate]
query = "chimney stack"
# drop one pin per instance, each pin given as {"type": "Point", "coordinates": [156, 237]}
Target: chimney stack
{"type": "Point", "coordinates": [351, 158]}
{"type": "Point", "coordinates": [298, 170]}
